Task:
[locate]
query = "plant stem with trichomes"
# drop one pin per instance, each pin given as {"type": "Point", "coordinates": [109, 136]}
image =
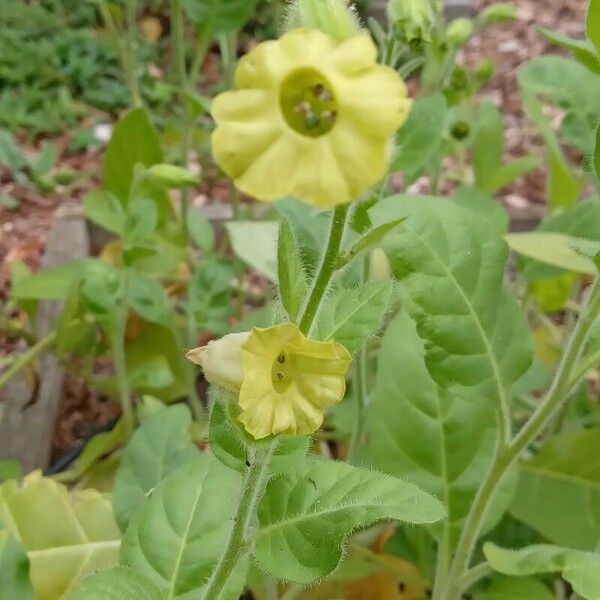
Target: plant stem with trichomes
{"type": "Point", "coordinates": [256, 475]}
{"type": "Point", "coordinates": [507, 453]}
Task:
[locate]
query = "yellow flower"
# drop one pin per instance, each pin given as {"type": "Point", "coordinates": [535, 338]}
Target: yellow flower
{"type": "Point", "coordinates": [311, 118]}
{"type": "Point", "coordinates": [285, 382]}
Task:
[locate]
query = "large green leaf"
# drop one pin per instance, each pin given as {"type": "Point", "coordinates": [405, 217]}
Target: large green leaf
{"type": "Point", "coordinates": [119, 583]}
{"type": "Point", "coordinates": [582, 50]}
{"type": "Point", "coordinates": [66, 536]}
{"type": "Point", "coordinates": [559, 490]}
{"type": "Point", "coordinates": [597, 154]}
{"type": "Point", "coordinates": [134, 141]}
{"type": "Point", "coordinates": [488, 144]}
{"type": "Point", "coordinates": [450, 265]}
{"type": "Point", "coordinates": [180, 533]}
{"type": "Point", "coordinates": [219, 16]}
{"type": "Point", "coordinates": [516, 588]}
{"type": "Point", "coordinates": [105, 209]}
{"type": "Point", "coordinates": [351, 316]}
{"type": "Point", "coordinates": [438, 439]}
{"type": "Point", "coordinates": [160, 446]}
{"type": "Point", "coordinates": [580, 569]}
{"type": "Point", "coordinates": [421, 136]}
{"type": "Point", "coordinates": [306, 514]}
{"type": "Point", "coordinates": [14, 569]}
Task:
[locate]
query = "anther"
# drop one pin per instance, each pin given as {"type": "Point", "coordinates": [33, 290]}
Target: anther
{"type": "Point", "coordinates": [281, 358]}
{"type": "Point", "coordinates": [280, 376]}
{"type": "Point", "coordinates": [329, 115]}
{"type": "Point", "coordinates": [303, 107]}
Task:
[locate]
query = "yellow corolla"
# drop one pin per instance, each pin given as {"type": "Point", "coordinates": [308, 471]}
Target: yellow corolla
{"type": "Point", "coordinates": [311, 118]}
{"type": "Point", "coordinates": [286, 380]}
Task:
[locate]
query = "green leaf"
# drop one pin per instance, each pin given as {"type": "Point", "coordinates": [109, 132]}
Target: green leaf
{"type": "Point", "coordinates": [292, 278]}
{"type": "Point", "coordinates": [14, 569]}
{"type": "Point", "coordinates": [42, 162]}
{"type": "Point", "coordinates": [10, 469]}
{"type": "Point", "coordinates": [219, 16]}
{"type": "Point", "coordinates": [148, 299]}
{"type": "Point", "coordinates": [101, 445]}
{"type": "Point", "coordinates": [450, 266]}
{"type": "Point", "coordinates": [580, 569]}
{"type": "Point", "coordinates": [351, 316]}
{"type": "Point", "coordinates": [421, 136]}
{"type": "Point", "coordinates": [157, 339]}
{"type": "Point", "coordinates": [306, 515]}
{"type": "Point", "coordinates": [579, 221]}
{"type": "Point", "coordinates": [555, 249]}
{"type": "Point", "coordinates": [66, 536]}
{"type": "Point", "coordinates": [171, 176]}
{"type": "Point", "coordinates": [105, 209]}
{"type": "Point", "coordinates": [484, 205]}
{"type": "Point", "coordinates": [437, 438]}
{"type": "Point", "coordinates": [583, 50]}
{"type": "Point", "coordinates": [370, 239]}
{"type": "Point", "coordinates": [516, 588]}
{"type": "Point", "coordinates": [51, 284]}
{"type": "Point", "coordinates": [559, 490]}
{"type": "Point", "coordinates": [593, 29]}
{"type": "Point", "coordinates": [119, 583]}
{"type": "Point", "coordinates": [229, 442]}
{"type": "Point", "coordinates": [134, 141]}
{"type": "Point", "coordinates": [158, 447]}
{"type": "Point", "coordinates": [11, 155]}
{"type": "Point", "coordinates": [153, 374]}
{"type": "Point", "coordinates": [255, 242]}
{"type": "Point", "coordinates": [510, 171]}
{"type": "Point", "coordinates": [200, 230]}
{"type": "Point", "coordinates": [488, 145]}
{"type": "Point", "coordinates": [180, 533]}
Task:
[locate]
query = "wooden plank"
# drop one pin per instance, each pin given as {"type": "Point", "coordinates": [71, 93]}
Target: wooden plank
{"type": "Point", "coordinates": [29, 404]}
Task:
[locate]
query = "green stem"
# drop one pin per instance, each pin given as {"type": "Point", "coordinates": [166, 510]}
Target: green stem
{"type": "Point", "coordinates": [256, 475]}
{"type": "Point", "coordinates": [118, 350]}
{"type": "Point", "coordinates": [587, 364]}
{"type": "Point", "coordinates": [506, 455]}
{"type": "Point", "coordinates": [361, 396]}
{"type": "Point", "coordinates": [474, 575]}
{"type": "Point", "coordinates": [252, 488]}
{"type": "Point", "coordinates": [27, 358]}
{"type": "Point", "coordinates": [328, 265]}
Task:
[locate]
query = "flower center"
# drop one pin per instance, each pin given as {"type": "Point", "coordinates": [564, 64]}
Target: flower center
{"type": "Point", "coordinates": [308, 103]}
{"type": "Point", "coordinates": [281, 373]}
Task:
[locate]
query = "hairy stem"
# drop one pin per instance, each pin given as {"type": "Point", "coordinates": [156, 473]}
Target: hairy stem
{"type": "Point", "coordinates": [328, 265]}
{"type": "Point", "coordinates": [252, 488]}
{"type": "Point", "coordinates": [361, 396]}
{"type": "Point", "coordinates": [506, 454]}
{"type": "Point", "coordinates": [256, 475]}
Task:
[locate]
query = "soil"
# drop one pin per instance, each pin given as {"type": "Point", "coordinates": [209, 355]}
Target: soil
{"type": "Point", "coordinates": [24, 230]}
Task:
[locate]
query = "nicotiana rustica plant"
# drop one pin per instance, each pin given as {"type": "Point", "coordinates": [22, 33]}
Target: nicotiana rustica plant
{"type": "Point", "coordinates": [404, 414]}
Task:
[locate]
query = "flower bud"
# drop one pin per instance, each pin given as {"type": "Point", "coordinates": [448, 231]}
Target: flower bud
{"type": "Point", "coordinates": [413, 17]}
{"type": "Point", "coordinates": [221, 361]}
{"type": "Point", "coordinates": [336, 18]}
{"type": "Point", "coordinates": [484, 71]}
{"type": "Point", "coordinates": [500, 12]}
{"type": "Point", "coordinates": [459, 31]}
{"type": "Point", "coordinates": [379, 265]}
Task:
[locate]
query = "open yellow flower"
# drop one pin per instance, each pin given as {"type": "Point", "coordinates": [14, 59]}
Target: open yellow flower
{"type": "Point", "coordinates": [286, 380]}
{"type": "Point", "coordinates": [311, 118]}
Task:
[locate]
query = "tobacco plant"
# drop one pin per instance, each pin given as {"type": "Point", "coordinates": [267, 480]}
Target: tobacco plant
{"type": "Point", "coordinates": [414, 411]}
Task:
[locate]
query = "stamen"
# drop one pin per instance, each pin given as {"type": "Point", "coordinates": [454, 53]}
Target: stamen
{"type": "Point", "coordinates": [281, 358]}
{"type": "Point", "coordinates": [280, 376]}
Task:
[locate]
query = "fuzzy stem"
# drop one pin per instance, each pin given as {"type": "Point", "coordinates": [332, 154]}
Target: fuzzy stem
{"type": "Point", "coordinates": [506, 455]}
{"type": "Point", "coordinates": [328, 265]}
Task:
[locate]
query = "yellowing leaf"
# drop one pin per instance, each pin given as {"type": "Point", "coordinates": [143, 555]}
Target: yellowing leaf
{"type": "Point", "coordinates": [66, 536]}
